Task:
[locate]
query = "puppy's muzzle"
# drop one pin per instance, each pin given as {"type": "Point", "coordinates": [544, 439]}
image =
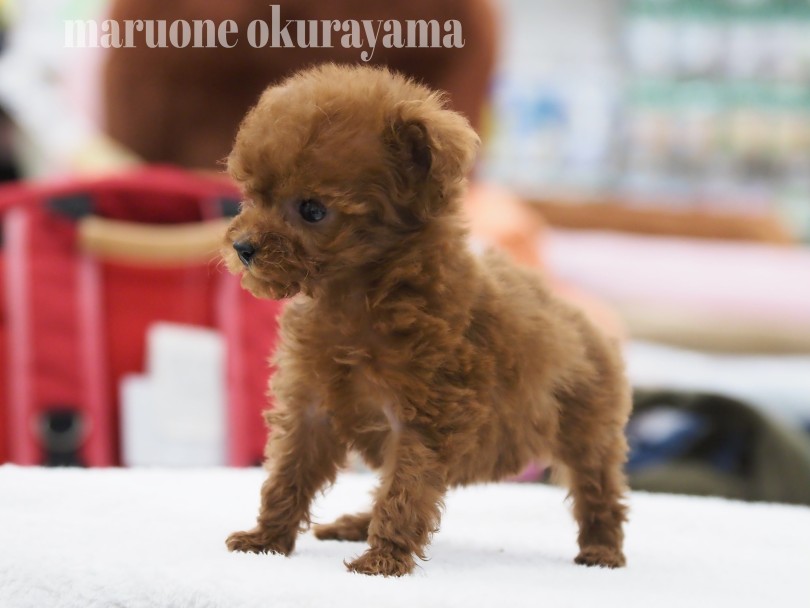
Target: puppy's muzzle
{"type": "Point", "coordinates": [245, 250]}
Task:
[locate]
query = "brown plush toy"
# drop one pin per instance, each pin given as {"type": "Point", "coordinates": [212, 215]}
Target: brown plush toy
{"type": "Point", "coordinates": [183, 106]}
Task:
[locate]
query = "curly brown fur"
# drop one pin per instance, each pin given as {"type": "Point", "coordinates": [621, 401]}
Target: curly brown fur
{"type": "Point", "coordinates": [440, 368]}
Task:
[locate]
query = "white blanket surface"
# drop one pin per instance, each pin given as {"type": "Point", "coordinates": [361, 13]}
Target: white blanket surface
{"type": "Point", "coordinates": [132, 538]}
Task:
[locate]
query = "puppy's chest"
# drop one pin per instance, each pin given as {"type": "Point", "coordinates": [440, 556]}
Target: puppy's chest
{"type": "Point", "coordinates": [358, 369]}
{"type": "Point", "coordinates": [356, 360]}
{"type": "Point", "coordinates": [346, 344]}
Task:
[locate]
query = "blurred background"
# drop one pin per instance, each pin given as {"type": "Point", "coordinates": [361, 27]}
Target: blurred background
{"type": "Point", "coordinates": [650, 157]}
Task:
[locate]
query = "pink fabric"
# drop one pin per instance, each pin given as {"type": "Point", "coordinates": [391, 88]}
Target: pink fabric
{"type": "Point", "coordinates": [739, 280]}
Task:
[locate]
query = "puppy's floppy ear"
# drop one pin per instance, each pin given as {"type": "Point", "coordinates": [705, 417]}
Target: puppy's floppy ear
{"type": "Point", "coordinates": [431, 142]}
{"type": "Point", "coordinates": [409, 142]}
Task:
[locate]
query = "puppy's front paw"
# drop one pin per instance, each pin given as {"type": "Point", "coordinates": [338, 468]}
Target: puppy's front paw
{"type": "Point", "coordinates": [259, 540]}
{"type": "Point", "coordinates": [598, 555]}
{"type": "Point", "coordinates": [376, 562]}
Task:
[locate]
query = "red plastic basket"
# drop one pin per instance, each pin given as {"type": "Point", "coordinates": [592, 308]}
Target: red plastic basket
{"type": "Point", "coordinates": [75, 323]}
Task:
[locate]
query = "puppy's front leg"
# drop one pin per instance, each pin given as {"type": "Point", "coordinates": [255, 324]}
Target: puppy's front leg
{"type": "Point", "coordinates": [303, 454]}
{"type": "Point", "coordinates": [407, 507]}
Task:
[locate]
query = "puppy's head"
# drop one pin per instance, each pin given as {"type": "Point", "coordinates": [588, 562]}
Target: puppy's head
{"type": "Point", "coordinates": [337, 164]}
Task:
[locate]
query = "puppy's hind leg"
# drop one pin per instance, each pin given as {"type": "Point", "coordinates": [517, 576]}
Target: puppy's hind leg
{"type": "Point", "coordinates": [347, 527]}
{"type": "Point", "coordinates": [594, 450]}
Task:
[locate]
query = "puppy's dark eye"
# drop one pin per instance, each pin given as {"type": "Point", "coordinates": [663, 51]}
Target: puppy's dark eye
{"type": "Point", "coordinates": [311, 210]}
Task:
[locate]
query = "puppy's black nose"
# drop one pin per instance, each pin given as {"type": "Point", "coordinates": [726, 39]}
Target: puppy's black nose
{"type": "Point", "coordinates": [245, 251]}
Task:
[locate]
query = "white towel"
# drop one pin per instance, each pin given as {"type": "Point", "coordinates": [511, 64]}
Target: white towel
{"type": "Point", "coordinates": [137, 538]}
